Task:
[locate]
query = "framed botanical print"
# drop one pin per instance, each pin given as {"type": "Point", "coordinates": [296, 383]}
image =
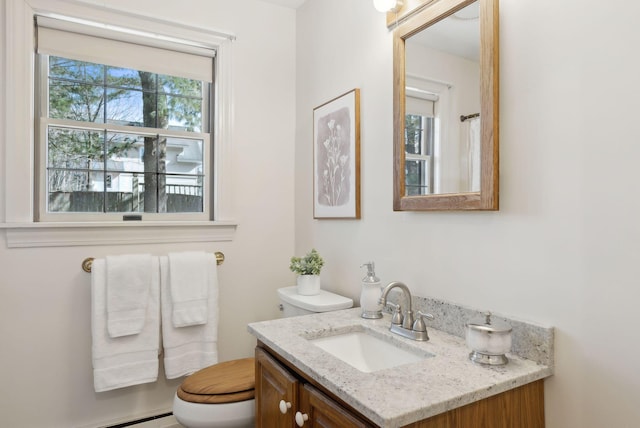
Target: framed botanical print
{"type": "Point", "coordinates": [336, 157]}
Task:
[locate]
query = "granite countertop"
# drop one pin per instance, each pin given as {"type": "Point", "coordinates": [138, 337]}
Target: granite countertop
{"type": "Point", "coordinates": [399, 395]}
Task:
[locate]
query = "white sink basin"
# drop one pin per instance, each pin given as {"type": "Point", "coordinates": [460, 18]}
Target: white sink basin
{"type": "Point", "coordinates": [367, 353]}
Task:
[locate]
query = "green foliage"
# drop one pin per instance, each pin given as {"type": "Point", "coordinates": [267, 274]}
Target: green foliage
{"type": "Point", "coordinates": [311, 264]}
{"type": "Point", "coordinates": [88, 92]}
{"type": "Point", "coordinates": [185, 108]}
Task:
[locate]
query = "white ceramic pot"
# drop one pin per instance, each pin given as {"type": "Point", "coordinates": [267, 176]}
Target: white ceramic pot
{"type": "Point", "coordinates": [308, 285]}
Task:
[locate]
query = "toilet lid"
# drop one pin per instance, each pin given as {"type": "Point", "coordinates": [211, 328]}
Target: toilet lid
{"type": "Point", "coordinates": [325, 301]}
{"type": "Point", "coordinates": [225, 382]}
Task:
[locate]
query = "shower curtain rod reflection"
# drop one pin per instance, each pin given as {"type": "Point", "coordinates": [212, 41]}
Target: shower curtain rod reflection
{"type": "Point", "coordinates": [86, 263]}
{"type": "Point", "coordinates": [469, 116]}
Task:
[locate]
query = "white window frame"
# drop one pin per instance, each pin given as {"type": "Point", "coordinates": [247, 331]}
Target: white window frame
{"type": "Point", "coordinates": [17, 147]}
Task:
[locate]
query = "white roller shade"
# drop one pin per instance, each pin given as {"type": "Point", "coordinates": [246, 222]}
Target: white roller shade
{"type": "Point", "coordinates": [102, 44]}
{"type": "Point", "coordinates": [420, 107]}
{"type": "Point", "coordinates": [421, 102]}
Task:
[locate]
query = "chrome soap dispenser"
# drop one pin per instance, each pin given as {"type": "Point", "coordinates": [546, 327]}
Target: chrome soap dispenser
{"type": "Point", "coordinates": [370, 294]}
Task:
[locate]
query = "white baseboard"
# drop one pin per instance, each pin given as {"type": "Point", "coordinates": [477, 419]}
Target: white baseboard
{"type": "Point", "coordinates": [166, 422]}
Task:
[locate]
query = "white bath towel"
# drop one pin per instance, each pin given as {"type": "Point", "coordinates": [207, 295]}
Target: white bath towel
{"type": "Point", "coordinates": [189, 288]}
{"type": "Point", "coordinates": [128, 360]}
{"type": "Point", "coordinates": [189, 349]}
{"type": "Point", "coordinates": [128, 282]}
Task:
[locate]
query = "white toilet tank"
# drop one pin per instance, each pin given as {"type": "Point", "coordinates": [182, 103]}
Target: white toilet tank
{"type": "Point", "coordinates": [293, 304]}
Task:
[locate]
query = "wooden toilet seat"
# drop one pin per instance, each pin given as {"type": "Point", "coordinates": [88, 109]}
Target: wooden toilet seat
{"type": "Point", "coordinates": [226, 382]}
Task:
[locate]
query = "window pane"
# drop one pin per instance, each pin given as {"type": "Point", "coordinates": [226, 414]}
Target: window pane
{"type": "Point", "coordinates": [76, 90]}
{"type": "Point", "coordinates": [183, 102]}
{"type": "Point", "coordinates": [184, 194]}
{"type": "Point", "coordinates": [416, 174]}
{"type": "Point", "coordinates": [76, 191]}
{"type": "Point", "coordinates": [184, 156]}
{"type": "Point", "coordinates": [126, 107]}
{"type": "Point", "coordinates": [132, 153]}
{"type": "Point", "coordinates": [75, 149]}
{"type": "Point", "coordinates": [125, 192]}
{"type": "Point", "coordinates": [64, 180]}
{"type": "Point", "coordinates": [125, 152]}
{"type": "Point", "coordinates": [413, 134]}
{"type": "Point", "coordinates": [76, 101]}
{"type": "Point", "coordinates": [181, 113]}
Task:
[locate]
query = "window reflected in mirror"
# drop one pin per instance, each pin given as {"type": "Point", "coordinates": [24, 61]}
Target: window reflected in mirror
{"type": "Point", "coordinates": [419, 141]}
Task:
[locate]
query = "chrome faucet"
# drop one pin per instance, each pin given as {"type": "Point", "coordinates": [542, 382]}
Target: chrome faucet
{"type": "Point", "coordinates": [404, 323]}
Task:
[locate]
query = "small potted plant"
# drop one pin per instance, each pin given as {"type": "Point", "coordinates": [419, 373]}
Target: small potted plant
{"type": "Point", "coordinates": [308, 270]}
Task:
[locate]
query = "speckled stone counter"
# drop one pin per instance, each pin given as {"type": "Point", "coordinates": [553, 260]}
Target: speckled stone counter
{"type": "Point", "coordinates": [404, 394]}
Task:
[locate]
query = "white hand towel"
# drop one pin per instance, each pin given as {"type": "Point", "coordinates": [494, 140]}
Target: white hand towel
{"type": "Point", "coordinates": [128, 282]}
{"type": "Point", "coordinates": [189, 288]}
{"type": "Point", "coordinates": [189, 349]}
{"type": "Point", "coordinates": [127, 360]}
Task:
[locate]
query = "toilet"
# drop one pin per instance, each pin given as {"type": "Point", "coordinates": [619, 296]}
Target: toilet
{"type": "Point", "coordinates": [222, 395]}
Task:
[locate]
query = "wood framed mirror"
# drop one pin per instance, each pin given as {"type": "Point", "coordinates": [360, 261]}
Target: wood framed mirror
{"type": "Point", "coordinates": [445, 106]}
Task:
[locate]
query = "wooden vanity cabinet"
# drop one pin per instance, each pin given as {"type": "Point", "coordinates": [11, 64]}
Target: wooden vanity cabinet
{"type": "Point", "coordinates": [282, 398]}
{"type": "Point", "coordinates": [279, 386]}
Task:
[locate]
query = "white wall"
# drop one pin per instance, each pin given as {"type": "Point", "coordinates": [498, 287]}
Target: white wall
{"type": "Point", "coordinates": [564, 249]}
{"type": "Point", "coordinates": [44, 294]}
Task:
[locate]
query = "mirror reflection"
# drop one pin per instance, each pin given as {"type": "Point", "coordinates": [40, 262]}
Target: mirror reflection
{"type": "Point", "coordinates": [446, 107]}
{"type": "Point", "coordinates": [442, 106]}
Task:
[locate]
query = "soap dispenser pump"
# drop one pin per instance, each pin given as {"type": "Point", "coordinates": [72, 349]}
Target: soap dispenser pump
{"type": "Point", "coordinates": [370, 294]}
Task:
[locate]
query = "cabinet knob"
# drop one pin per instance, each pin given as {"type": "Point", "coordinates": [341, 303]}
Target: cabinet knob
{"type": "Point", "coordinates": [284, 406]}
{"type": "Point", "coordinates": [301, 418]}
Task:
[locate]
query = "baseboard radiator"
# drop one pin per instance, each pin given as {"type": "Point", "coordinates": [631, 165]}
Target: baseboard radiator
{"type": "Point", "coordinates": [140, 421]}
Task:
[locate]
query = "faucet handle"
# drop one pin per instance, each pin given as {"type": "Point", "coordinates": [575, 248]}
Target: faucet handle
{"type": "Point", "coordinates": [418, 324]}
{"type": "Point", "coordinates": [396, 316]}
{"type": "Point", "coordinates": [428, 316]}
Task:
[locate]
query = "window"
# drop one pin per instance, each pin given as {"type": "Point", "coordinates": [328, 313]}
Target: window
{"type": "Point", "coordinates": [419, 138]}
{"type": "Point", "coordinates": [123, 125]}
{"type": "Point", "coordinates": [420, 135]}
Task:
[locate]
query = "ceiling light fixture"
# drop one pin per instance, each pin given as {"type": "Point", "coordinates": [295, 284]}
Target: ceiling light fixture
{"type": "Point", "coordinates": [388, 5]}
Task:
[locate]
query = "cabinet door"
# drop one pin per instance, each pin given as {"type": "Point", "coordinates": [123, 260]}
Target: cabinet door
{"type": "Point", "coordinates": [323, 412]}
{"type": "Point", "coordinates": [276, 392]}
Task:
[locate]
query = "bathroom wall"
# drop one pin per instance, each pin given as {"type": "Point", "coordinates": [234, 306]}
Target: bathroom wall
{"type": "Point", "coordinates": [45, 296]}
{"type": "Point", "coordinates": [564, 249]}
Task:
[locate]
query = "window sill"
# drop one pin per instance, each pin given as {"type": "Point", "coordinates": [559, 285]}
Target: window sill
{"type": "Point", "coordinates": [33, 235]}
